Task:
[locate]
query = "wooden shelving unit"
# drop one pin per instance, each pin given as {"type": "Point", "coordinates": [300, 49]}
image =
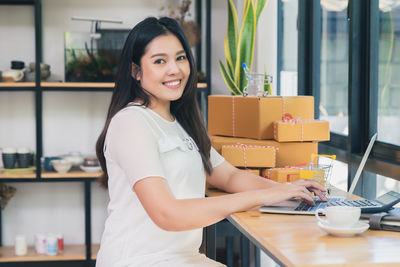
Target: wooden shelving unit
{"type": "Point", "coordinates": [17, 84]}
{"type": "Point", "coordinates": [86, 253]}
{"type": "Point", "coordinates": [18, 176]}
{"type": "Point", "coordinates": [70, 174]}
{"type": "Point", "coordinates": [46, 175]}
{"type": "Point", "coordinates": [95, 249]}
{"type": "Point", "coordinates": [71, 252]}
{"type": "Point", "coordinates": [62, 85]}
{"type": "Point", "coordinates": [76, 85]}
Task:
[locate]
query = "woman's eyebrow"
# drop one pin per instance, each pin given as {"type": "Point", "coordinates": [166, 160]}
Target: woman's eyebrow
{"type": "Point", "coordinates": [164, 54]}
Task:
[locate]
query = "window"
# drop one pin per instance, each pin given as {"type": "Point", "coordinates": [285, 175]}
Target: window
{"type": "Point", "coordinates": [389, 78]}
{"type": "Point", "coordinates": [385, 184]}
{"type": "Point", "coordinates": [349, 53]}
{"type": "Point", "coordinates": [334, 67]}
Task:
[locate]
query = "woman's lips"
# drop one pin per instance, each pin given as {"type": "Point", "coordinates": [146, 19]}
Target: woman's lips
{"type": "Point", "coordinates": [173, 84]}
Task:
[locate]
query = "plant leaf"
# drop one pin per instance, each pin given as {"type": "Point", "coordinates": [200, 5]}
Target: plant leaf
{"type": "Point", "coordinates": [260, 4]}
{"type": "Point", "coordinates": [228, 80]}
{"type": "Point", "coordinates": [231, 37]}
{"type": "Point", "coordinates": [245, 44]}
{"type": "Point", "coordinates": [230, 68]}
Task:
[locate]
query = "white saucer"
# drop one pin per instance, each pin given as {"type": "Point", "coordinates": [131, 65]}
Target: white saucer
{"type": "Point", "coordinates": [90, 168]}
{"type": "Point", "coordinates": [358, 228]}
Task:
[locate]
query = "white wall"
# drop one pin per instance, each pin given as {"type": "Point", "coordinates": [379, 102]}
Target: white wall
{"type": "Point", "coordinates": [17, 35]}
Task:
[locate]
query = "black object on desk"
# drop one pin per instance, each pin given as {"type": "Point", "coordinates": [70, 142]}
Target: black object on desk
{"type": "Point", "coordinates": [380, 204]}
{"type": "Point", "coordinates": [389, 221]}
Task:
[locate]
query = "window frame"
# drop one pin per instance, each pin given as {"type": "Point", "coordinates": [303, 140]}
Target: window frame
{"type": "Point", "coordinates": [363, 16]}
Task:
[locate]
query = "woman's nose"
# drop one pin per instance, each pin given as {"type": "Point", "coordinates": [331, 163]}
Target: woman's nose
{"type": "Point", "coordinates": [173, 68]}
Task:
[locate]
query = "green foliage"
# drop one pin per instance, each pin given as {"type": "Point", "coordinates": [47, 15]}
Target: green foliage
{"type": "Point", "coordinates": [239, 47]}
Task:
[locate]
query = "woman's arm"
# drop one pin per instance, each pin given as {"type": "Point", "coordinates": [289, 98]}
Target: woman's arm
{"type": "Point", "coordinates": [173, 214]}
{"type": "Point", "coordinates": [232, 180]}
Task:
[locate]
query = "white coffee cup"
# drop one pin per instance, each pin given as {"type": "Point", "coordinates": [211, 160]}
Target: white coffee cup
{"type": "Point", "coordinates": [13, 75]}
{"type": "Point", "coordinates": [339, 216]}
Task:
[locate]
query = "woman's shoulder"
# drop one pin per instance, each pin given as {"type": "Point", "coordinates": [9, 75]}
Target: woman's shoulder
{"type": "Point", "coordinates": [132, 109]}
{"type": "Point", "coordinates": [129, 114]}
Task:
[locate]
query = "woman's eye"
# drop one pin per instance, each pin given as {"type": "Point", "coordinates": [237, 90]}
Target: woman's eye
{"type": "Point", "coordinates": [181, 58]}
{"type": "Point", "coordinates": [159, 61]}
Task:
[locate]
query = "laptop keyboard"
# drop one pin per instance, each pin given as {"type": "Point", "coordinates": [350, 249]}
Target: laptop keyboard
{"type": "Point", "coordinates": [335, 201]}
{"type": "Point", "coordinates": [355, 203]}
{"type": "Point", "coordinates": [304, 206]}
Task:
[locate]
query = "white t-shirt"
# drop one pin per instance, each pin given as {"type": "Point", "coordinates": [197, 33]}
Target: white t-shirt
{"type": "Point", "coordinates": [140, 144]}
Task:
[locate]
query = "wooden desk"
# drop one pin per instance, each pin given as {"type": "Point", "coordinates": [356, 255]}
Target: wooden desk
{"type": "Point", "coordinates": [296, 240]}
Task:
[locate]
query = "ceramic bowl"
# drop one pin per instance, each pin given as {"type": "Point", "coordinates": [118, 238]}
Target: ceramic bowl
{"type": "Point", "coordinates": [90, 169]}
{"type": "Point", "coordinates": [47, 163]}
{"type": "Point", "coordinates": [75, 157]}
{"type": "Point", "coordinates": [61, 165]}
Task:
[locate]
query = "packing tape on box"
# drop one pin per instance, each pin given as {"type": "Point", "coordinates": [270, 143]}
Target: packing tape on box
{"type": "Point", "coordinates": [244, 147]}
{"type": "Point", "coordinates": [233, 116]}
{"type": "Point", "coordinates": [288, 118]}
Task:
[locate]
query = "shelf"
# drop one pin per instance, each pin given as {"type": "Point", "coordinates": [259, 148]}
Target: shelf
{"type": "Point", "coordinates": [72, 86]}
{"type": "Point", "coordinates": [95, 250]}
{"type": "Point", "coordinates": [17, 86]}
{"type": "Point", "coordinates": [17, 2]}
{"type": "Point", "coordinates": [202, 85]}
{"type": "Point", "coordinates": [51, 175]}
{"type": "Point", "coordinates": [70, 174]}
{"type": "Point", "coordinates": [64, 86]}
{"type": "Point", "coordinates": [79, 85]}
{"type": "Point", "coordinates": [18, 176]}
{"type": "Point", "coordinates": [71, 252]}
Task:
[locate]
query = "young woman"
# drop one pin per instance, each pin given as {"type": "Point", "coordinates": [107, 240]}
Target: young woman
{"type": "Point", "coordinates": [156, 157]}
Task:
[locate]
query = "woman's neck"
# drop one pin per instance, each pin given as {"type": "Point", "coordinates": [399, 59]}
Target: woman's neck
{"type": "Point", "coordinates": [162, 109]}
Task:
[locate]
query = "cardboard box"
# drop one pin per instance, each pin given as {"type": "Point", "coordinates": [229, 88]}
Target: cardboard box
{"type": "Point", "coordinates": [243, 155]}
{"type": "Point", "coordinates": [288, 154]}
{"type": "Point", "coordinates": [282, 175]}
{"type": "Point", "coordinates": [253, 117]}
{"type": "Point", "coordinates": [301, 130]}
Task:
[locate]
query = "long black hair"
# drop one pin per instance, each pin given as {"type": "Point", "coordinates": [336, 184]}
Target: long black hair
{"type": "Point", "coordinates": [128, 89]}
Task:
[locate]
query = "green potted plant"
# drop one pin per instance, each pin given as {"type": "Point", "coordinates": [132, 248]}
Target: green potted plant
{"type": "Point", "coordinates": [239, 46]}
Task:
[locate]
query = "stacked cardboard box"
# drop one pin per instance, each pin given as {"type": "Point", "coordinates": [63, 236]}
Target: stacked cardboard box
{"type": "Point", "coordinates": [266, 134]}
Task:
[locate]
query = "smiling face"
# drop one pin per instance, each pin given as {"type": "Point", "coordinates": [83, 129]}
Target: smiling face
{"type": "Point", "coordinates": [164, 70]}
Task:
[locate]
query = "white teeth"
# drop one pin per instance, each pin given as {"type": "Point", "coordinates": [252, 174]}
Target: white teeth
{"type": "Point", "coordinates": [172, 83]}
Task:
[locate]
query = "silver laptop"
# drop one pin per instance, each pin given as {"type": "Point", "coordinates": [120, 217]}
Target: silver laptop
{"type": "Point", "coordinates": [301, 207]}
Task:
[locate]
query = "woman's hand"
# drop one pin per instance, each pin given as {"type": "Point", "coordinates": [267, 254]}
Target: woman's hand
{"type": "Point", "coordinates": [281, 192]}
{"type": "Point", "coordinates": [314, 187]}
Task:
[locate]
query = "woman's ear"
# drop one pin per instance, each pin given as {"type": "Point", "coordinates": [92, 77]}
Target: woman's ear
{"type": "Point", "coordinates": [135, 72]}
